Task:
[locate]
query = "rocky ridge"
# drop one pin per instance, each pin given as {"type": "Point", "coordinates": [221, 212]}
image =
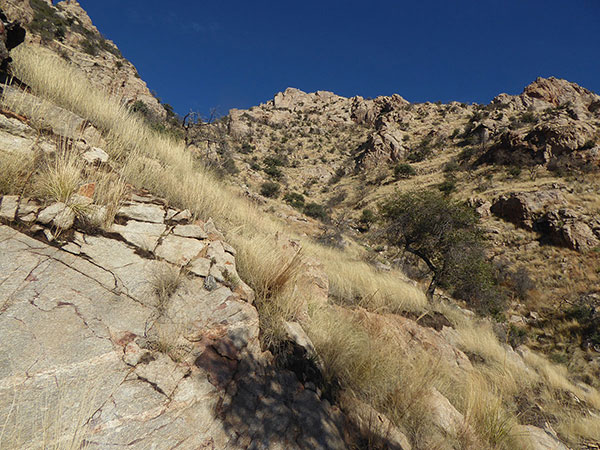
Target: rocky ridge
{"type": "Point", "coordinates": [66, 29]}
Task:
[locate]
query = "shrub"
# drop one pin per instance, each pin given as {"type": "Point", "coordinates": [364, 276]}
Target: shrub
{"type": "Point", "coordinates": [90, 47]}
{"type": "Point", "coordinates": [275, 161]}
{"type": "Point", "coordinates": [588, 144]}
{"type": "Point", "coordinates": [294, 199]}
{"type": "Point", "coordinates": [270, 189]}
{"type": "Point", "coordinates": [273, 172]}
{"type": "Point", "coordinates": [246, 148]}
{"type": "Point", "coordinates": [404, 170]}
{"type": "Point", "coordinates": [451, 166]}
{"type": "Point", "coordinates": [528, 117]}
{"type": "Point", "coordinates": [514, 171]}
{"type": "Point", "coordinates": [447, 186]}
{"type": "Point", "coordinates": [140, 108]}
{"type": "Point", "coordinates": [367, 218]}
{"type": "Point", "coordinates": [315, 211]}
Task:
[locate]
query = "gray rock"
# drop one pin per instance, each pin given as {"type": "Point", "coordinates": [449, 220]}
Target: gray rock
{"type": "Point", "coordinates": [95, 155]}
{"type": "Point", "coordinates": [296, 334]}
{"type": "Point", "coordinates": [540, 439]}
{"type": "Point", "coordinates": [210, 284]}
{"type": "Point", "coordinates": [142, 212]}
{"type": "Point", "coordinates": [179, 216]}
{"type": "Point", "coordinates": [28, 209]}
{"type": "Point", "coordinates": [8, 207]}
{"type": "Point", "coordinates": [64, 219]}
{"type": "Point", "coordinates": [179, 250]}
{"type": "Point", "coordinates": [48, 214]}
{"type": "Point", "coordinates": [162, 373]}
{"type": "Point", "coordinates": [143, 235]}
{"type": "Point", "coordinates": [200, 267]}
{"type": "Point", "coordinates": [191, 231]}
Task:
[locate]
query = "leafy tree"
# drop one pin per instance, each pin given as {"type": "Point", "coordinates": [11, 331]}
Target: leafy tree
{"type": "Point", "coordinates": [444, 235]}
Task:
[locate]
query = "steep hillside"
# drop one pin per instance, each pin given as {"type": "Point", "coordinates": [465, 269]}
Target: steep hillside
{"type": "Point", "coordinates": [206, 316]}
{"type": "Point", "coordinates": [528, 163]}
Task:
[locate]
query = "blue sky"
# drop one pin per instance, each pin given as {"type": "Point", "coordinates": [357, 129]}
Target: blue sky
{"type": "Point", "coordinates": [236, 54]}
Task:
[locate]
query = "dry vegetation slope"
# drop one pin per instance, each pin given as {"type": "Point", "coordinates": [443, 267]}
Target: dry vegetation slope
{"type": "Point", "coordinates": [366, 351]}
{"type": "Point", "coordinates": [346, 155]}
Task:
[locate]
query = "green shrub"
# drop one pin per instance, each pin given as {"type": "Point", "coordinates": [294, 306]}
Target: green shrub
{"type": "Point", "coordinates": [90, 47]}
{"type": "Point", "coordinates": [269, 189]}
{"type": "Point", "coordinates": [367, 218]}
{"type": "Point", "coordinates": [273, 172]}
{"type": "Point", "coordinates": [247, 148]}
{"type": "Point", "coordinates": [404, 170]}
{"type": "Point", "coordinates": [447, 186]}
{"type": "Point", "coordinates": [294, 199]}
{"type": "Point", "coordinates": [514, 171]}
{"type": "Point", "coordinates": [315, 211]}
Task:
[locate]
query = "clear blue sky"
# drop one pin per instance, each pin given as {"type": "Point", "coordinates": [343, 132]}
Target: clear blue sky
{"type": "Point", "coordinates": [238, 53]}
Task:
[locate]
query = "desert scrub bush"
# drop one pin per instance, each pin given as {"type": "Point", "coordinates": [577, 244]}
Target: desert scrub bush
{"type": "Point", "coordinates": [366, 219]}
{"type": "Point", "coordinates": [46, 22]}
{"type": "Point", "coordinates": [294, 199]}
{"type": "Point", "coordinates": [448, 186]}
{"type": "Point", "coordinates": [404, 170]}
{"type": "Point", "coordinates": [274, 172]}
{"type": "Point", "coordinates": [270, 189]}
{"type": "Point", "coordinates": [316, 211]}
{"type": "Point", "coordinates": [90, 47]}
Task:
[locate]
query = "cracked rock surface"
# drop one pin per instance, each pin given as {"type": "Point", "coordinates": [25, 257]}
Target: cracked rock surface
{"type": "Point", "coordinates": [90, 351]}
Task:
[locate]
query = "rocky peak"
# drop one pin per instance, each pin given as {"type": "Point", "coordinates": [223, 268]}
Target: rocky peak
{"type": "Point", "coordinates": [73, 8]}
{"type": "Point", "coordinates": [558, 92]}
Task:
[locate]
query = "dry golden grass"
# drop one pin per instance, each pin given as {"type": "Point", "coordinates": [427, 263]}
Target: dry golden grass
{"type": "Point", "coordinates": [354, 357]}
{"type": "Point", "coordinates": [164, 282]}
{"type": "Point", "coordinates": [60, 177]}
{"type": "Point", "coordinates": [15, 169]}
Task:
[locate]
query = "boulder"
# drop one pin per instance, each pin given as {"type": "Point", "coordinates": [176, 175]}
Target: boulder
{"type": "Point", "coordinates": [95, 155]}
{"type": "Point", "coordinates": [374, 426]}
{"type": "Point", "coordinates": [524, 208]}
{"type": "Point", "coordinates": [540, 439]}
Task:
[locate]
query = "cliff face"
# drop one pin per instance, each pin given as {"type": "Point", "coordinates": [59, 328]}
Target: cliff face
{"type": "Point", "coordinates": [66, 29]}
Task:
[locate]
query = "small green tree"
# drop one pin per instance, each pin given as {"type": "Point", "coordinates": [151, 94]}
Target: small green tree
{"type": "Point", "coordinates": [443, 233]}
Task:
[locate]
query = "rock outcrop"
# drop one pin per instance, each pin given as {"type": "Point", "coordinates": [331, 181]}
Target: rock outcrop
{"type": "Point", "coordinates": [85, 328]}
{"type": "Point", "coordinates": [66, 29]}
{"type": "Point", "coordinates": [546, 211]}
